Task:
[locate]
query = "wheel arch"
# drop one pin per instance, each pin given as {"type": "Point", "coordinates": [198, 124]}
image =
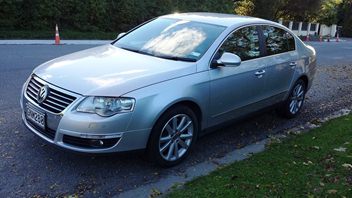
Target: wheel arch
{"type": "Point", "coordinates": [195, 107]}
{"type": "Point", "coordinates": [305, 80]}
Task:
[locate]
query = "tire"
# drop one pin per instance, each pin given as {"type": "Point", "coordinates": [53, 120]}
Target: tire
{"type": "Point", "coordinates": [293, 104]}
{"type": "Point", "coordinates": [166, 137]}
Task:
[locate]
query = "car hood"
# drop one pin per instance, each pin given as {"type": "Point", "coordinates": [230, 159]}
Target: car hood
{"type": "Point", "coordinates": [110, 71]}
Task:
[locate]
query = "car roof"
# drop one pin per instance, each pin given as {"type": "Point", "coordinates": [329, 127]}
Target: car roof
{"type": "Point", "coordinates": [216, 18]}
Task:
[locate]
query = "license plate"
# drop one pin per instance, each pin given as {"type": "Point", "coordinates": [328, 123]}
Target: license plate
{"type": "Point", "coordinates": [35, 116]}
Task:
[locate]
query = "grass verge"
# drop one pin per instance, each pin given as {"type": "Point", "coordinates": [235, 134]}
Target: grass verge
{"type": "Point", "coordinates": [314, 164]}
{"type": "Point", "coordinates": [67, 34]}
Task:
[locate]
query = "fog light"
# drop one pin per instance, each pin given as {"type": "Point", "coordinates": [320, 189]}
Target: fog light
{"type": "Point", "coordinates": [97, 143]}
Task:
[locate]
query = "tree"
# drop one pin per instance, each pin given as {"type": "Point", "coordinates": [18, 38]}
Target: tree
{"type": "Point", "coordinates": [329, 12]}
{"type": "Point", "coordinates": [347, 21]}
{"type": "Point", "coordinates": [298, 10]}
{"type": "Point", "coordinates": [8, 14]}
{"type": "Point", "coordinates": [244, 7]}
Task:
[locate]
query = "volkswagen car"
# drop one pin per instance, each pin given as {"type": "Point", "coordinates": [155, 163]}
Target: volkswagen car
{"type": "Point", "coordinates": [161, 85]}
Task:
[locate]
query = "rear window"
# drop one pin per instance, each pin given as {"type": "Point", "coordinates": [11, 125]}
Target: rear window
{"type": "Point", "coordinates": [277, 40]}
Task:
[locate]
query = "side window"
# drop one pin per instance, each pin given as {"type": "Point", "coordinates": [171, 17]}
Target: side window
{"type": "Point", "coordinates": [243, 42]}
{"type": "Point", "coordinates": [277, 40]}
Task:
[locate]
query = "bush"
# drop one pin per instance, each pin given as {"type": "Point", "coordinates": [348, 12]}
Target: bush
{"type": "Point", "coordinates": [95, 15]}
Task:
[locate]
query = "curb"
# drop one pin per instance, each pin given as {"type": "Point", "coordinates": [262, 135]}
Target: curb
{"type": "Point", "coordinates": [52, 42]}
{"type": "Point", "coordinates": [164, 185]}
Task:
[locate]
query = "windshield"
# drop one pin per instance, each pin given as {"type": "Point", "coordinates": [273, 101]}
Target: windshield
{"type": "Point", "coordinates": [171, 39]}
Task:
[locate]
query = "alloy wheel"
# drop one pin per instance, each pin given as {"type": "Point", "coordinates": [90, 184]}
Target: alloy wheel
{"type": "Point", "coordinates": [176, 137]}
{"type": "Point", "coordinates": [296, 99]}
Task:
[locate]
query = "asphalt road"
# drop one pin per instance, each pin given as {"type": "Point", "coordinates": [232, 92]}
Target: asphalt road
{"type": "Point", "coordinates": [30, 167]}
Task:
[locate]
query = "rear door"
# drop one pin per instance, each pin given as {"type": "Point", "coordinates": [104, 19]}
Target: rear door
{"type": "Point", "coordinates": [280, 59]}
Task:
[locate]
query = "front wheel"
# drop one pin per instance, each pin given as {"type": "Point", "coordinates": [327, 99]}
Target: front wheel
{"type": "Point", "coordinates": [173, 136]}
{"type": "Point", "coordinates": [293, 104]}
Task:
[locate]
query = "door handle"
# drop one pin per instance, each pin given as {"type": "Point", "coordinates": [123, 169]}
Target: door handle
{"type": "Point", "coordinates": [293, 64]}
{"type": "Point", "coordinates": [260, 73]}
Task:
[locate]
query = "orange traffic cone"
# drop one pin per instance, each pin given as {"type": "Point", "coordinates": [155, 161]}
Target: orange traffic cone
{"type": "Point", "coordinates": [57, 36]}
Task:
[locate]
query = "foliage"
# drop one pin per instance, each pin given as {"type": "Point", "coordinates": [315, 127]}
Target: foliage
{"type": "Point", "coordinates": [329, 12]}
{"type": "Point", "coordinates": [95, 15]}
{"type": "Point", "coordinates": [122, 15]}
{"type": "Point", "coordinates": [347, 18]}
{"type": "Point", "coordinates": [299, 10]}
{"type": "Point", "coordinates": [244, 7]}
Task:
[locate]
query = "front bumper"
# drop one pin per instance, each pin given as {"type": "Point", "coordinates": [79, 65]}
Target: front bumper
{"type": "Point", "coordinates": [83, 132]}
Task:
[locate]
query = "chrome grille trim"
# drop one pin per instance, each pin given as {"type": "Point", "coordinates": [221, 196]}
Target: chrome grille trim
{"type": "Point", "coordinates": [56, 102]}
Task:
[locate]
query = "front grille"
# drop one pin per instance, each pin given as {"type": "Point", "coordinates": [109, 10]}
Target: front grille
{"type": "Point", "coordinates": [55, 102]}
{"type": "Point", "coordinates": [90, 143]}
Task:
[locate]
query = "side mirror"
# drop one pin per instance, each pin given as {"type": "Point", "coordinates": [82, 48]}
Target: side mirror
{"type": "Point", "coordinates": [121, 35]}
{"type": "Point", "coordinates": [229, 60]}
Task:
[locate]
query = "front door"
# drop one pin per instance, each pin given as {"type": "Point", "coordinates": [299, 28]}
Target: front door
{"type": "Point", "coordinates": [238, 90]}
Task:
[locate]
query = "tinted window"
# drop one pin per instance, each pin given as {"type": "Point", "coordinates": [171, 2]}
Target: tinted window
{"type": "Point", "coordinates": [171, 38]}
{"type": "Point", "coordinates": [277, 40]}
{"type": "Point", "coordinates": [243, 42]}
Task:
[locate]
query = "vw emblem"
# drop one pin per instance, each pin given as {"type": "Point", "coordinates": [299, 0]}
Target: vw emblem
{"type": "Point", "coordinates": [42, 94]}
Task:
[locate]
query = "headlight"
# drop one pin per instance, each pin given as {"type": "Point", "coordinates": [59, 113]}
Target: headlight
{"type": "Point", "coordinates": [106, 106]}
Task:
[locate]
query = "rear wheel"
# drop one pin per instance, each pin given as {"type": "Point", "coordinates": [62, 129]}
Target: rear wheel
{"type": "Point", "coordinates": [294, 102]}
{"type": "Point", "coordinates": [173, 136]}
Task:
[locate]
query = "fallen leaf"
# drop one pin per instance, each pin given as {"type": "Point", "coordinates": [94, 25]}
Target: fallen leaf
{"type": "Point", "coordinates": [340, 149]}
{"type": "Point", "coordinates": [316, 147]}
{"type": "Point", "coordinates": [307, 163]}
{"type": "Point", "coordinates": [347, 165]}
{"type": "Point", "coordinates": [332, 191]}
{"type": "Point", "coordinates": [154, 193]}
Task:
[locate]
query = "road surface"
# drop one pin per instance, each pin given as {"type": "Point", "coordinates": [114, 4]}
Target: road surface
{"type": "Point", "coordinates": [29, 166]}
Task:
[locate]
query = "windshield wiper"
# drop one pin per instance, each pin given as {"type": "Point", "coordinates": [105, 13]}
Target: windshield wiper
{"type": "Point", "coordinates": [161, 56]}
{"type": "Point", "coordinates": [137, 51]}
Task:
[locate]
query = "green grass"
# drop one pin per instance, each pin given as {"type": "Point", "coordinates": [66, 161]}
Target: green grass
{"type": "Point", "coordinates": [64, 34]}
{"type": "Point", "coordinates": [305, 165]}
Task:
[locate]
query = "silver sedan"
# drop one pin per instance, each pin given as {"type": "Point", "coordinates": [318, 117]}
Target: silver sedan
{"type": "Point", "coordinates": [164, 83]}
